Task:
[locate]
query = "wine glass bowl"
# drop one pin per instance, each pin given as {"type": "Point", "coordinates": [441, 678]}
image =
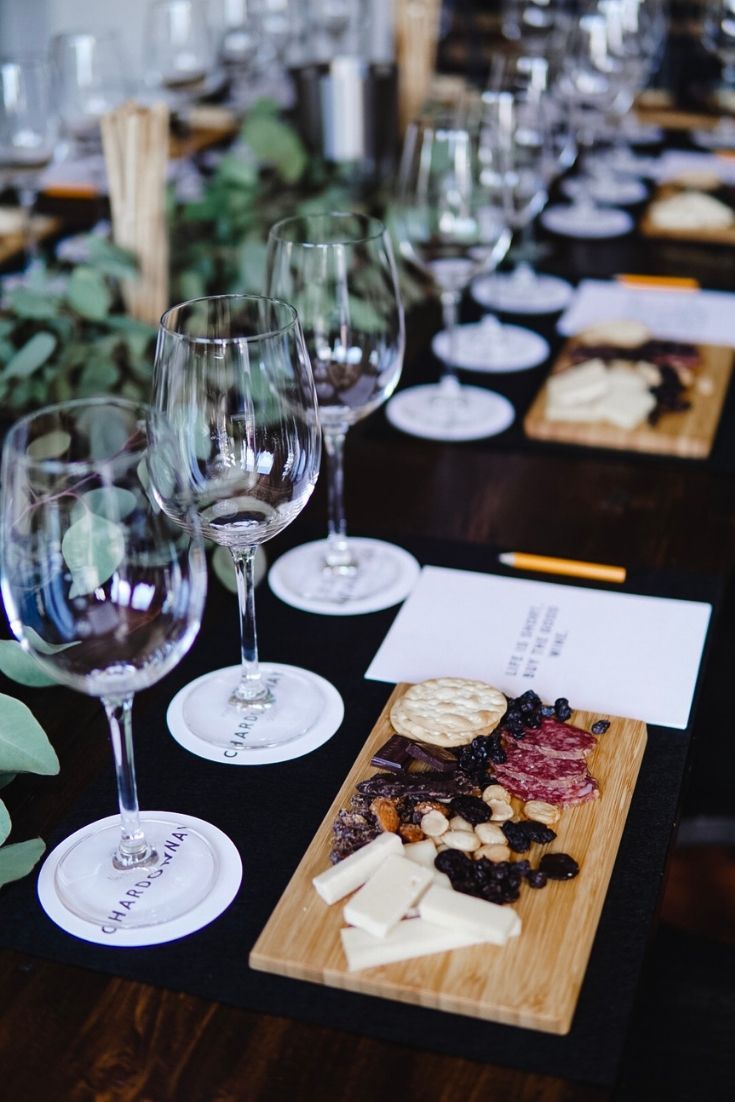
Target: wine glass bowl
{"type": "Point", "coordinates": [108, 595]}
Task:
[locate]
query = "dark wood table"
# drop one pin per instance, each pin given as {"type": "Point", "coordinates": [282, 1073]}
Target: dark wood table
{"type": "Point", "coordinates": [69, 1033]}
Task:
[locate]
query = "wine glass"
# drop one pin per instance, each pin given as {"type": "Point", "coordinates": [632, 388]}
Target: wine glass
{"type": "Point", "coordinates": [28, 134]}
{"type": "Point", "coordinates": [338, 271]}
{"type": "Point", "coordinates": [90, 80]}
{"type": "Point", "coordinates": [232, 379]}
{"type": "Point", "coordinates": [180, 51]}
{"type": "Point", "coordinates": [592, 76]}
{"type": "Point", "coordinates": [718, 38]}
{"type": "Point", "coordinates": [452, 225]}
{"type": "Point", "coordinates": [108, 595]}
{"type": "Point", "coordinates": [540, 146]}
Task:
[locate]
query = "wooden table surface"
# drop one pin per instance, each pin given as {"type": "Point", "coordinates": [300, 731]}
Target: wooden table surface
{"type": "Point", "coordinates": [72, 1034]}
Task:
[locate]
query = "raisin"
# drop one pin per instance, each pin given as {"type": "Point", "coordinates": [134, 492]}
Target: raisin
{"type": "Point", "coordinates": [453, 862]}
{"type": "Point", "coordinates": [537, 879]}
{"type": "Point", "coordinates": [600, 727]}
{"type": "Point", "coordinates": [558, 866]}
{"type": "Point", "coordinates": [562, 711]}
{"type": "Point", "coordinates": [537, 832]}
{"type": "Point", "coordinates": [471, 808]}
{"type": "Point", "coordinates": [516, 837]}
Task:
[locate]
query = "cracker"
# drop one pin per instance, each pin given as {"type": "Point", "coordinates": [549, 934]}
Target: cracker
{"type": "Point", "coordinates": [448, 711]}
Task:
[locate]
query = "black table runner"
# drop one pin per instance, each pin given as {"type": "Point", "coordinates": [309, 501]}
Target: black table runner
{"type": "Point", "coordinates": [271, 813]}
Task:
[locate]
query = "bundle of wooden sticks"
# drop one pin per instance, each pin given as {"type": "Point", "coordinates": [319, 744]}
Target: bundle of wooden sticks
{"type": "Point", "coordinates": [136, 141]}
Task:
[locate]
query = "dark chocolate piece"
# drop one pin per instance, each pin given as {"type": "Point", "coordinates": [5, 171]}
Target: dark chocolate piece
{"type": "Point", "coordinates": [428, 786]}
{"type": "Point", "coordinates": [433, 757]}
{"type": "Point", "coordinates": [393, 754]}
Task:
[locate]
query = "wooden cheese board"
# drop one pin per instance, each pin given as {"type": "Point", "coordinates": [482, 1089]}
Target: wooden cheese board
{"type": "Point", "coordinates": [689, 434]}
{"type": "Point", "coordinates": [724, 235]}
{"type": "Point", "coordinates": [532, 982]}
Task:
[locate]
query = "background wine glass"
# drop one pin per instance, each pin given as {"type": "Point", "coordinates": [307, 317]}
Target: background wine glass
{"type": "Point", "coordinates": [181, 52]}
{"type": "Point", "coordinates": [232, 379]}
{"type": "Point", "coordinates": [452, 226]}
{"type": "Point", "coordinates": [28, 134]}
{"type": "Point", "coordinates": [108, 595]}
{"type": "Point", "coordinates": [541, 138]}
{"type": "Point", "coordinates": [338, 271]}
{"type": "Point", "coordinates": [90, 79]}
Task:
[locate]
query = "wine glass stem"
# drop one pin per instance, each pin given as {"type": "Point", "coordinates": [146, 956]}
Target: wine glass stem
{"type": "Point", "coordinates": [133, 850]}
{"type": "Point", "coordinates": [449, 382]}
{"type": "Point", "coordinates": [252, 689]}
{"type": "Point", "coordinates": [27, 197]}
{"type": "Point", "coordinates": [339, 557]}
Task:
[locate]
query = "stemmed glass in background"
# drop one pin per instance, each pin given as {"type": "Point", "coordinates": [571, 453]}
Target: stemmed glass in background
{"type": "Point", "coordinates": [108, 595]}
{"type": "Point", "coordinates": [180, 51]}
{"type": "Point", "coordinates": [89, 79]}
{"type": "Point", "coordinates": [232, 379]}
{"type": "Point", "coordinates": [718, 38]}
{"type": "Point", "coordinates": [540, 146]}
{"type": "Point", "coordinates": [28, 134]}
{"type": "Point", "coordinates": [338, 271]}
{"type": "Point", "coordinates": [452, 226]}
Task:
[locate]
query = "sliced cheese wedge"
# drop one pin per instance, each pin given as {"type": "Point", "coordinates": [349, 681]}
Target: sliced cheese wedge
{"type": "Point", "coordinates": [412, 938]}
{"type": "Point", "coordinates": [580, 383]}
{"type": "Point", "coordinates": [350, 873]}
{"type": "Point", "coordinates": [423, 853]}
{"type": "Point", "coordinates": [391, 891]}
{"type": "Point", "coordinates": [466, 913]}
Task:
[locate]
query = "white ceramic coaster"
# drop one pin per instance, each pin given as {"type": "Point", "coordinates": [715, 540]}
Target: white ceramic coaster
{"type": "Point", "coordinates": [479, 413]}
{"type": "Point", "coordinates": [539, 294]}
{"type": "Point", "coordinates": [721, 136]}
{"type": "Point", "coordinates": [490, 347]}
{"type": "Point", "coordinates": [386, 576]}
{"type": "Point", "coordinates": [178, 839]}
{"type": "Point", "coordinates": [640, 133]}
{"type": "Point", "coordinates": [609, 191]}
{"type": "Point", "coordinates": [599, 222]}
{"type": "Point", "coordinates": [235, 748]}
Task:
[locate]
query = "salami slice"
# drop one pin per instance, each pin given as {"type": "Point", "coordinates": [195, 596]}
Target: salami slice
{"type": "Point", "coordinates": [559, 740]}
{"type": "Point", "coordinates": [532, 762]}
{"type": "Point", "coordinates": [534, 788]}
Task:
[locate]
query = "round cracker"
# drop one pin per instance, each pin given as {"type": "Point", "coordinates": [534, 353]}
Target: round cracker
{"type": "Point", "coordinates": [448, 711]}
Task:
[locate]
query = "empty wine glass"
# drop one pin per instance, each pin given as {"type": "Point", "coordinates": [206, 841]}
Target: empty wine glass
{"type": "Point", "coordinates": [180, 51]}
{"type": "Point", "coordinates": [452, 226]}
{"type": "Point", "coordinates": [718, 38]}
{"type": "Point", "coordinates": [107, 595]}
{"type": "Point", "coordinates": [90, 79]}
{"type": "Point", "coordinates": [338, 271]}
{"type": "Point", "coordinates": [233, 381]}
{"type": "Point", "coordinates": [28, 134]}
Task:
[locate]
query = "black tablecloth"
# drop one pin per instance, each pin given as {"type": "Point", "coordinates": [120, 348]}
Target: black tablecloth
{"type": "Point", "coordinates": [271, 813]}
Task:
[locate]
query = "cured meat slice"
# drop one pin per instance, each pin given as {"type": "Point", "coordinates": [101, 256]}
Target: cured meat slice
{"type": "Point", "coordinates": [533, 788]}
{"type": "Point", "coordinates": [532, 762]}
{"type": "Point", "coordinates": [559, 740]}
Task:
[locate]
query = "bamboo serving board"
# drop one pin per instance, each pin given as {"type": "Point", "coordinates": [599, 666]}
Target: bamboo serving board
{"type": "Point", "coordinates": [534, 980]}
{"type": "Point", "coordinates": [689, 434]}
{"type": "Point", "coordinates": [725, 235]}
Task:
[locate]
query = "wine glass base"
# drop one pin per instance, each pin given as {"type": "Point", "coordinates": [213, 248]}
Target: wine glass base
{"type": "Point", "coordinates": [540, 294]}
{"type": "Point", "coordinates": [472, 414]}
{"type": "Point", "coordinates": [307, 711]}
{"type": "Point", "coordinates": [623, 191]}
{"type": "Point", "coordinates": [386, 574]}
{"type": "Point", "coordinates": [492, 347]}
{"type": "Point", "coordinates": [196, 876]}
{"type": "Point", "coordinates": [599, 222]}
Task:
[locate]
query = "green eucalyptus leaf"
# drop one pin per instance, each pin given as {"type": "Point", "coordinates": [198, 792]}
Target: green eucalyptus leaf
{"type": "Point", "coordinates": [98, 377]}
{"type": "Point", "coordinates": [5, 823]}
{"type": "Point", "coordinates": [111, 502]}
{"type": "Point", "coordinates": [224, 568]}
{"type": "Point", "coordinates": [24, 747]}
{"type": "Point", "coordinates": [20, 394]}
{"type": "Point", "coordinates": [275, 143]}
{"type": "Point", "coordinates": [32, 304]}
{"type": "Point", "coordinates": [31, 356]}
{"type": "Point", "coordinates": [16, 861]}
{"type": "Point", "coordinates": [6, 778]}
{"type": "Point", "coordinates": [364, 316]}
{"type": "Point", "coordinates": [21, 666]}
{"type": "Point", "coordinates": [108, 433]}
{"type": "Point", "coordinates": [43, 647]}
{"type": "Point", "coordinates": [49, 446]}
{"type": "Point", "coordinates": [93, 548]}
{"type": "Point", "coordinates": [111, 259]}
{"type": "Point", "coordinates": [239, 171]}
{"type": "Point", "coordinates": [7, 350]}
{"type": "Point", "coordinates": [7, 325]}
{"type": "Point", "coordinates": [127, 324]}
{"type": "Point", "coordinates": [252, 265]}
{"type": "Point", "coordinates": [88, 293]}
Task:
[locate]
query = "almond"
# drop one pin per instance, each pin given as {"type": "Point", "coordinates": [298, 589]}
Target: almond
{"type": "Point", "coordinates": [386, 812]}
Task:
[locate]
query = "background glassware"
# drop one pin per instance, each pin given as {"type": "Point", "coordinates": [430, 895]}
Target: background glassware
{"type": "Point", "coordinates": [108, 595]}
{"type": "Point", "coordinates": [452, 226]}
{"type": "Point", "coordinates": [232, 379]}
{"type": "Point", "coordinates": [591, 77]}
{"type": "Point", "coordinates": [538, 144]}
{"type": "Point", "coordinates": [180, 51]}
{"type": "Point", "coordinates": [90, 79]}
{"type": "Point", "coordinates": [28, 133]}
{"type": "Point", "coordinates": [338, 271]}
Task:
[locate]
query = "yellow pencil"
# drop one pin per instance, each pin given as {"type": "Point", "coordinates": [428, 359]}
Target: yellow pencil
{"type": "Point", "coordinates": [545, 564]}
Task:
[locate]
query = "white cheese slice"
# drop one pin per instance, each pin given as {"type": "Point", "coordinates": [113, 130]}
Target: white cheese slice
{"type": "Point", "coordinates": [381, 903]}
{"type": "Point", "coordinates": [424, 853]}
{"type": "Point", "coordinates": [350, 873]}
{"type": "Point", "coordinates": [580, 383]}
{"type": "Point", "coordinates": [585, 411]}
{"type": "Point", "coordinates": [625, 333]}
{"type": "Point", "coordinates": [691, 210]}
{"type": "Point", "coordinates": [469, 914]}
{"type": "Point", "coordinates": [412, 938]}
{"type": "Point", "coordinates": [626, 410]}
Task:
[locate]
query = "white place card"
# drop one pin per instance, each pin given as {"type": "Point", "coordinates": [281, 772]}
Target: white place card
{"type": "Point", "coordinates": [614, 653]}
{"type": "Point", "coordinates": [700, 317]}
